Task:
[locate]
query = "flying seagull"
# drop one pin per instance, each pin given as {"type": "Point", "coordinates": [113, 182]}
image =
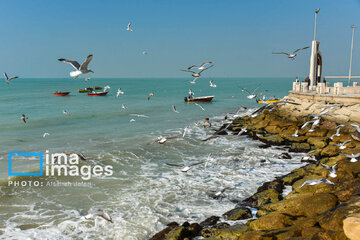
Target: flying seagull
{"type": "Point", "coordinates": [80, 69]}
{"type": "Point", "coordinates": [129, 27]}
{"type": "Point", "coordinates": [200, 106]}
{"type": "Point", "coordinates": [150, 95]}
{"type": "Point", "coordinates": [194, 80]}
{"type": "Point", "coordinates": [9, 79]}
{"type": "Point", "coordinates": [185, 168]}
{"type": "Point", "coordinates": [99, 213]}
{"type": "Point", "coordinates": [197, 74]}
{"type": "Point", "coordinates": [212, 84]}
{"type": "Point", "coordinates": [218, 194]}
{"type": "Point", "coordinates": [46, 134]}
{"type": "Point", "coordinates": [352, 156]}
{"type": "Point", "coordinates": [163, 140]}
{"type": "Point", "coordinates": [317, 116]}
{"type": "Point", "coordinates": [23, 117]}
{"type": "Point", "coordinates": [65, 112]}
{"type": "Point", "coordinates": [342, 145]}
{"type": "Point", "coordinates": [106, 88]}
{"type": "Point", "coordinates": [252, 95]}
{"type": "Point", "coordinates": [174, 109]}
{"type": "Point", "coordinates": [123, 106]}
{"type": "Point", "coordinates": [356, 127]}
{"type": "Point", "coordinates": [291, 55]}
{"type": "Point", "coordinates": [331, 170]}
{"type": "Point", "coordinates": [337, 134]}
{"type": "Point", "coordinates": [119, 92]}
{"type": "Point", "coordinates": [201, 67]}
{"type": "Point", "coordinates": [316, 181]}
{"type": "Point", "coordinates": [243, 130]}
{"type": "Point", "coordinates": [139, 115]}
{"type": "Point", "coordinates": [308, 157]}
{"type": "Point", "coordinates": [330, 107]}
{"type": "Point", "coordinates": [296, 133]}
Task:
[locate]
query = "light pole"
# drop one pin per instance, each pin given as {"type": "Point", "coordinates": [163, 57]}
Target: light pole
{"type": "Point", "coordinates": [316, 13]}
{"type": "Point", "coordinates": [351, 53]}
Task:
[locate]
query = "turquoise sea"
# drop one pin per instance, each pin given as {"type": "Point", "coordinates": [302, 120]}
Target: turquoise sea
{"type": "Point", "coordinates": [143, 194]}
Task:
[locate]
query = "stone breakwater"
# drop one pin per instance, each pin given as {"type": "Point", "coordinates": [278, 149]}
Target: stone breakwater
{"type": "Point", "coordinates": [322, 211]}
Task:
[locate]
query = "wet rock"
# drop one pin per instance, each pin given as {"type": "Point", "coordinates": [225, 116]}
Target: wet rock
{"type": "Point", "coordinates": [317, 142]}
{"type": "Point", "coordinates": [330, 151]}
{"type": "Point", "coordinates": [347, 190]}
{"type": "Point", "coordinates": [285, 156]}
{"type": "Point", "coordinates": [295, 175]}
{"type": "Point", "coordinates": [317, 133]}
{"type": "Point", "coordinates": [229, 233]}
{"type": "Point", "coordinates": [352, 227]}
{"type": "Point", "coordinates": [194, 229]}
{"type": "Point", "coordinates": [209, 221]}
{"type": "Point", "coordinates": [264, 197]}
{"type": "Point", "coordinates": [28, 226]}
{"type": "Point", "coordinates": [263, 146]}
{"type": "Point", "coordinates": [272, 139]}
{"type": "Point", "coordinates": [272, 221]}
{"type": "Point", "coordinates": [238, 214]}
{"type": "Point", "coordinates": [300, 147]}
{"type": "Point", "coordinates": [273, 129]}
{"type": "Point", "coordinates": [162, 234]}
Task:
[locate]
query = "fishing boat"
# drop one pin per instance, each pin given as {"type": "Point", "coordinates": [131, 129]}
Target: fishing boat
{"type": "Point", "coordinates": [57, 93]}
{"type": "Point", "coordinates": [199, 99]}
{"type": "Point", "coordinates": [85, 90]}
{"type": "Point", "coordinates": [97, 88]}
{"type": "Point", "coordinates": [271, 100]}
{"type": "Point", "coordinates": [97, 93]}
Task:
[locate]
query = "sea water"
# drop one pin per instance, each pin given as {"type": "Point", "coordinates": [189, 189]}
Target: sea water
{"type": "Point", "coordinates": [144, 193]}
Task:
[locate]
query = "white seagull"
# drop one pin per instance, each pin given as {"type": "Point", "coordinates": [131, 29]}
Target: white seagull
{"type": "Point", "coordinates": [342, 145]}
{"type": "Point", "coordinates": [243, 130]}
{"type": "Point", "coordinates": [316, 181]}
{"type": "Point", "coordinates": [80, 69]}
{"type": "Point", "coordinates": [337, 134]}
{"type": "Point", "coordinates": [9, 79]}
{"type": "Point", "coordinates": [139, 115]}
{"type": "Point", "coordinates": [132, 120]}
{"type": "Point", "coordinates": [200, 106]}
{"type": "Point", "coordinates": [123, 106]}
{"type": "Point", "coordinates": [194, 80]}
{"type": "Point", "coordinates": [185, 168]}
{"type": "Point", "coordinates": [291, 55]}
{"type": "Point", "coordinates": [46, 134]}
{"type": "Point", "coordinates": [212, 84]}
{"type": "Point", "coordinates": [331, 170]}
{"type": "Point", "coordinates": [356, 127]}
{"type": "Point", "coordinates": [129, 27]}
{"type": "Point", "coordinates": [119, 92]}
{"type": "Point", "coordinates": [308, 157]}
{"type": "Point", "coordinates": [330, 107]}
{"type": "Point", "coordinates": [317, 116]}
{"type": "Point", "coordinates": [197, 74]}
{"type": "Point", "coordinates": [99, 213]}
{"type": "Point", "coordinates": [106, 88]}
{"type": "Point", "coordinates": [163, 140]}
{"type": "Point", "coordinates": [351, 156]}
{"type": "Point", "coordinates": [201, 67]}
{"type": "Point", "coordinates": [150, 95]}
{"type": "Point", "coordinates": [65, 112]}
{"type": "Point", "coordinates": [174, 109]}
{"type": "Point", "coordinates": [296, 133]}
{"type": "Point", "coordinates": [252, 95]}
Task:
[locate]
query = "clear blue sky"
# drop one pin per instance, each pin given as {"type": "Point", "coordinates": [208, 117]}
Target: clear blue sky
{"type": "Point", "coordinates": [238, 36]}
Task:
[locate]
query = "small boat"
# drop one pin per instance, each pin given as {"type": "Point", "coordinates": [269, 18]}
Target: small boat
{"type": "Point", "coordinates": [97, 88]}
{"type": "Point", "coordinates": [61, 93]}
{"type": "Point", "coordinates": [199, 99]}
{"type": "Point", "coordinates": [85, 90]}
{"type": "Point", "coordinates": [273, 100]}
{"type": "Point", "coordinates": [97, 93]}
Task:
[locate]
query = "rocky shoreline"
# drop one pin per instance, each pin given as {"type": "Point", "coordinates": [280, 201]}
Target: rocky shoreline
{"type": "Point", "coordinates": [322, 211]}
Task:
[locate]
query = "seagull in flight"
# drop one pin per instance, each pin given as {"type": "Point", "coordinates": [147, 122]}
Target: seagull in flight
{"type": "Point", "coordinates": [80, 69]}
{"type": "Point", "coordinates": [201, 67]}
{"type": "Point", "coordinates": [150, 95]}
{"type": "Point", "coordinates": [163, 140]}
{"type": "Point", "coordinates": [123, 106]}
{"type": "Point", "coordinates": [331, 170]}
{"type": "Point", "coordinates": [351, 156]}
{"type": "Point", "coordinates": [307, 157]}
{"type": "Point", "coordinates": [106, 88]}
{"type": "Point", "coordinates": [356, 127]}
{"type": "Point", "coordinates": [99, 213]}
{"type": "Point", "coordinates": [317, 116]}
{"type": "Point", "coordinates": [330, 107]}
{"type": "Point", "coordinates": [119, 92]}
{"type": "Point", "coordinates": [185, 168]}
{"type": "Point", "coordinates": [296, 133]}
{"type": "Point", "coordinates": [212, 84]}
{"type": "Point", "coordinates": [194, 80]}
{"type": "Point", "coordinates": [139, 115]}
{"type": "Point", "coordinates": [342, 145]}
{"type": "Point", "coordinates": [197, 74]}
{"type": "Point", "coordinates": [185, 131]}
{"type": "Point", "coordinates": [291, 55]}
{"type": "Point", "coordinates": [46, 134]}
{"type": "Point", "coordinates": [129, 27]}
{"type": "Point", "coordinates": [252, 95]}
{"type": "Point", "coordinates": [316, 181]}
{"type": "Point", "coordinates": [9, 79]}
{"type": "Point", "coordinates": [218, 194]}
{"type": "Point", "coordinates": [132, 120]}
{"type": "Point", "coordinates": [191, 93]}
{"type": "Point", "coordinates": [200, 106]}
{"type": "Point", "coordinates": [337, 134]}
{"type": "Point", "coordinates": [23, 117]}
{"type": "Point", "coordinates": [243, 130]}
{"type": "Point", "coordinates": [174, 109]}
{"type": "Point", "coordinates": [65, 112]}
{"type": "Point", "coordinates": [317, 10]}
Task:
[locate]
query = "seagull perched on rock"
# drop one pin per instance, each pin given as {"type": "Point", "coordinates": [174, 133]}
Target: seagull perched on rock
{"type": "Point", "coordinates": [128, 28]}
{"type": "Point", "coordinates": [99, 213]}
{"type": "Point", "coordinates": [291, 55]}
{"type": "Point", "coordinates": [9, 79]}
{"type": "Point", "coordinates": [351, 156]}
{"type": "Point", "coordinates": [212, 84]}
{"type": "Point", "coordinates": [185, 168]}
{"type": "Point", "coordinates": [80, 69]}
{"type": "Point", "coordinates": [316, 181]}
{"type": "Point", "coordinates": [331, 170]}
{"type": "Point", "coordinates": [174, 109]}
{"type": "Point", "coordinates": [342, 145]}
{"type": "Point", "coordinates": [150, 95]}
{"type": "Point", "coordinates": [23, 117]}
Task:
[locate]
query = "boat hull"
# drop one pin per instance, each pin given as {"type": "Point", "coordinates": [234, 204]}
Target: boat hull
{"type": "Point", "coordinates": [199, 99]}
{"type": "Point", "coordinates": [97, 94]}
{"type": "Point", "coordinates": [61, 93]}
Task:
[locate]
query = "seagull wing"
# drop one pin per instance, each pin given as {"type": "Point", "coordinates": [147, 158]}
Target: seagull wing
{"type": "Point", "coordinates": [206, 68]}
{"type": "Point", "coordinates": [85, 64]}
{"type": "Point", "coordinates": [200, 106]}
{"type": "Point", "coordinates": [13, 78]}
{"type": "Point", "coordinates": [347, 155]}
{"type": "Point", "coordinates": [346, 142]}
{"type": "Point", "coordinates": [187, 71]}
{"type": "Point", "coordinates": [6, 76]}
{"type": "Point", "coordinates": [256, 88]}
{"type": "Point", "coordinates": [357, 155]}
{"type": "Point", "coordinates": [205, 63]}
{"type": "Point", "coordinates": [334, 167]}
{"type": "Point", "coordinates": [191, 67]}
{"type": "Point", "coordinates": [244, 90]}
{"type": "Point", "coordinates": [281, 53]}
{"type": "Point", "coordinates": [194, 164]}
{"type": "Point", "coordinates": [175, 165]}
{"type": "Point", "coordinates": [326, 166]}
{"type": "Point", "coordinates": [73, 63]}
{"type": "Point", "coordinates": [300, 49]}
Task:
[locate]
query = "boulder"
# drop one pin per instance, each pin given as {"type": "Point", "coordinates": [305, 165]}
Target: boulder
{"type": "Point", "coordinates": [272, 139]}
{"type": "Point", "coordinates": [238, 214]}
{"type": "Point", "coordinates": [317, 142]}
{"type": "Point", "coordinates": [300, 147]}
{"type": "Point", "coordinates": [352, 227]}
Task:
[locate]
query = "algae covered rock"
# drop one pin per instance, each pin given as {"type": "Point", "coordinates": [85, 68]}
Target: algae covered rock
{"type": "Point", "coordinates": [238, 214]}
{"type": "Point", "coordinates": [272, 139]}
{"type": "Point", "coordinates": [300, 147]}
{"type": "Point", "coordinates": [317, 142]}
